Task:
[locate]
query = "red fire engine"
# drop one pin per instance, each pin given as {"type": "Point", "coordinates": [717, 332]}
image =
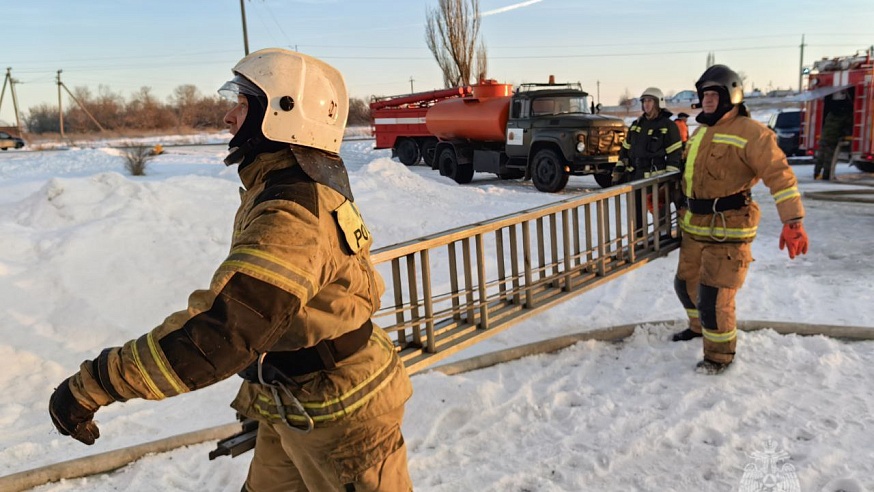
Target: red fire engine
{"type": "Point", "coordinates": [844, 81]}
{"type": "Point", "coordinates": [399, 123]}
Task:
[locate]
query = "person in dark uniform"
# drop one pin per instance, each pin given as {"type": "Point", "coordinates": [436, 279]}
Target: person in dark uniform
{"type": "Point", "coordinates": [653, 146]}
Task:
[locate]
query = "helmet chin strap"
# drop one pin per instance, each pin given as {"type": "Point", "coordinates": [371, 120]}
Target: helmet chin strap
{"type": "Point", "coordinates": [710, 119]}
{"type": "Point", "coordinates": [237, 154]}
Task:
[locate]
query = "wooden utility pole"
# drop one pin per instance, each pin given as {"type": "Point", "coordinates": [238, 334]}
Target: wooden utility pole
{"type": "Point", "coordinates": [245, 34]}
{"type": "Point", "coordinates": [801, 65]}
{"type": "Point", "coordinates": [11, 83]}
{"type": "Point", "coordinates": [411, 85]}
{"type": "Point", "coordinates": [3, 92]}
{"type": "Point", "coordinates": [77, 101]}
{"type": "Point", "coordinates": [60, 106]}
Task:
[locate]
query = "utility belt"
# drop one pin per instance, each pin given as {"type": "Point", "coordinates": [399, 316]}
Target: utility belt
{"type": "Point", "coordinates": [706, 206]}
{"type": "Point", "coordinates": [279, 366]}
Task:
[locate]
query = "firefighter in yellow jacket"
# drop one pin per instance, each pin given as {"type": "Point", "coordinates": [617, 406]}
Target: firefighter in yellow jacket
{"type": "Point", "coordinates": [289, 308]}
{"type": "Point", "coordinates": [726, 156]}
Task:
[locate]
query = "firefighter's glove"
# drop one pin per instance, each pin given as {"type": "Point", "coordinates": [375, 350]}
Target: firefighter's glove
{"type": "Point", "coordinates": [794, 239]}
{"type": "Point", "coordinates": [70, 417]}
{"type": "Point", "coordinates": [619, 172]}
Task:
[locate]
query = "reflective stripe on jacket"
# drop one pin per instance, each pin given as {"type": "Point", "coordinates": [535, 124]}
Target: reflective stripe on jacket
{"type": "Point", "coordinates": [298, 272]}
{"type": "Point", "coordinates": [730, 157]}
{"type": "Point", "coordinates": [652, 139]}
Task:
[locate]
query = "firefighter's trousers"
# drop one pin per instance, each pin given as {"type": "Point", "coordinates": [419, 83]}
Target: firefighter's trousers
{"type": "Point", "coordinates": [360, 456]}
{"type": "Point", "coordinates": [709, 275]}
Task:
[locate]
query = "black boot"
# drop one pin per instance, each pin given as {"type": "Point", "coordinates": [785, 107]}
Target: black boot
{"type": "Point", "coordinates": [685, 335]}
{"type": "Point", "coordinates": [711, 368]}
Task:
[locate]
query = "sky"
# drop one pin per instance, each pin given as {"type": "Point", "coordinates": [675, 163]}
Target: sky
{"type": "Point", "coordinates": [379, 45]}
{"type": "Point", "coordinates": [91, 257]}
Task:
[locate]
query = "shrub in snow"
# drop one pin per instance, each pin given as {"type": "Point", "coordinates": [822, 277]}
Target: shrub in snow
{"type": "Point", "coordinates": [137, 158]}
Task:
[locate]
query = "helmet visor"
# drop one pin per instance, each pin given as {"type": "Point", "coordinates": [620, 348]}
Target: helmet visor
{"type": "Point", "coordinates": [239, 85]}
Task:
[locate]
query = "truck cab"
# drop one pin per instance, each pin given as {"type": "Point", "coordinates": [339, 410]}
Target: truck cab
{"type": "Point", "coordinates": [553, 132]}
{"type": "Point", "coordinates": [542, 132]}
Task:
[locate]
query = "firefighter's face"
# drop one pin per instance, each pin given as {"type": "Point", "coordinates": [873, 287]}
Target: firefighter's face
{"type": "Point", "coordinates": [649, 105]}
{"type": "Point", "coordinates": [237, 115]}
{"type": "Point", "coordinates": [710, 102]}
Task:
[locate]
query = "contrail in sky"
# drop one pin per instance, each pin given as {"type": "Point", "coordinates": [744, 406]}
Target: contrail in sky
{"type": "Point", "coordinates": [509, 7]}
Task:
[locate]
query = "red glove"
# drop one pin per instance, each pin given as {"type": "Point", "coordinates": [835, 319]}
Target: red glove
{"type": "Point", "coordinates": [795, 238]}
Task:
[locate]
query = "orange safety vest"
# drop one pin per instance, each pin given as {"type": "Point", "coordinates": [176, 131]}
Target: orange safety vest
{"type": "Point", "coordinates": [684, 129]}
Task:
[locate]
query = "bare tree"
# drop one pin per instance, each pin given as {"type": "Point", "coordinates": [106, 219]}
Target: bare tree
{"type": "Point", "coordinates": [184, 101]}
{"type": "Point", "coordinates": [451, 33]}
{"type": "Point", "coordinates": [482, 62]}
{"type": "Point", "coordinates": [146, 112]}
{"type": "Point", "coordinates": [185, 108]}
{"type": "Point", "coordinates": [359, 112]}
{"type": "Point", "coordinates": [711, 59]}
{"type": "Point", "coordinates": [626, 100]}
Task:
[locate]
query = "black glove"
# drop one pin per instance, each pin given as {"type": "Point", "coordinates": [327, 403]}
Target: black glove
{"type": "Point", "coordinates": [70, 417]}
{"type": "Point", "coordinates": [620, 171]}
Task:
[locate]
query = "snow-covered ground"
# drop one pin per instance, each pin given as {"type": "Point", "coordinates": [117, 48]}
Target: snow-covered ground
{"type": "Point", "coordinates": [91, 257]}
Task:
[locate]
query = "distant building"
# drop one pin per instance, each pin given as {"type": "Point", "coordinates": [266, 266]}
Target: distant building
{"type": "Point", "coordinates": [781, 93]}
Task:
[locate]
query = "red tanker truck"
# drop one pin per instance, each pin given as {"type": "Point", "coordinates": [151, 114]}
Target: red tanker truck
{"type": "Point", "coordinates": [545, 132]}
{"type": "Point", "coordinates": [399, 123]}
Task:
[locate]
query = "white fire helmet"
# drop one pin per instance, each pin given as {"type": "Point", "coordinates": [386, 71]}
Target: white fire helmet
{"type": "Point", "coordinates": [655, 93]}
{"type": "Point", "coordinates": [307, 103]}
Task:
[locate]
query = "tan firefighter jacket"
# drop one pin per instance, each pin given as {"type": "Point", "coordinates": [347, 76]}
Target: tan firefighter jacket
{"type": "Point", "coordinates": [730, 157]}
{"type": "Point", "coordinates": [298, 272]}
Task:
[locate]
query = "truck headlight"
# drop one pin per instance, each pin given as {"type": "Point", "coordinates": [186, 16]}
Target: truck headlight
{"type": "Point", "coordinates": [581, 142]}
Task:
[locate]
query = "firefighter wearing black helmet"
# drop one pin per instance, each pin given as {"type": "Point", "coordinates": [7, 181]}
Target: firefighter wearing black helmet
{"type": "Point", "coordinates": [726, 156]}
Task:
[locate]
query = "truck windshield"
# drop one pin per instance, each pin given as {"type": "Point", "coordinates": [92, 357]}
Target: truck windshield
{"type": "Point", "coordinates": [560, 105]}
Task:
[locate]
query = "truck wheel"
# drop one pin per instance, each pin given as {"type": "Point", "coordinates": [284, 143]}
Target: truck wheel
{"type": "Point", "coordinates": [449, 167]}
{"type": "Point", "coordinates": [429, 146]}
{"type": "Point", "coordinates": [408, 151]}
{"type": "Point", "coordinates": [604, 180]}
{"type": "Point", "coordinates": [548, 171]}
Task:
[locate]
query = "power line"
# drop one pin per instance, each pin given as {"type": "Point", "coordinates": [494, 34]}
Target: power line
{"type": "Point", "coordinates": [577, 45]}
{"type": "Point", "coordinates": [267, 6]}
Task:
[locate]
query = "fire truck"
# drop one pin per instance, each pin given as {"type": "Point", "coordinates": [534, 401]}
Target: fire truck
{"type": "Point", "coordinates": [399, 123]}
{"type": "Point", "coordinates": [545, 132]}
{"type": "Point", "coordinates": [843, 83]}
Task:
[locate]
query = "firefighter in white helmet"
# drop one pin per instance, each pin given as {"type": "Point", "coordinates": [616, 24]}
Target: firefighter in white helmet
{"type": "Point", "coordinates": [652, 147]}
{"type": "Point", "coordinates": [289, 308]}
{"type": "Point", "coordinates": [726, 156]}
